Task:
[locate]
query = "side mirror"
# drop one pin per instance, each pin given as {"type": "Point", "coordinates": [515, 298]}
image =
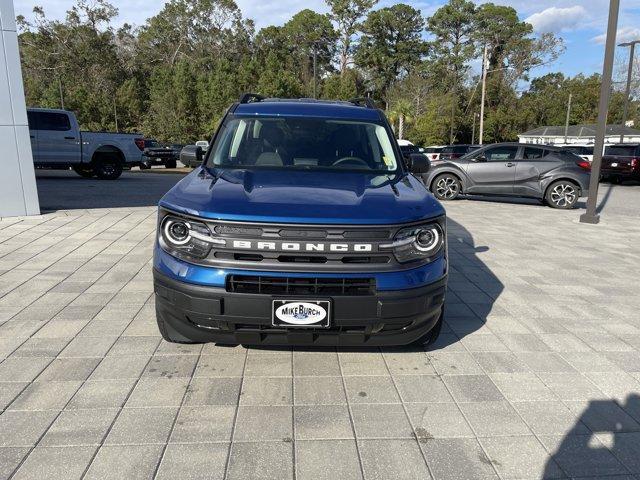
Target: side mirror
{"type": "Point", "coordinates": [480, 159]}
{"type": "Point", "coordinates": [191, 156]}
{"type": "Point", "coordinates": [418, 163]}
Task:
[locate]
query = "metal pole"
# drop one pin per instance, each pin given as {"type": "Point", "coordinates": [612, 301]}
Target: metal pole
{"type": "Point", "coordinates": [591, 216]}
{"type": "Point", "coordinates": [61, 96]}
{"type": "Point", "coordinates": [628, 89]}
{"type": "Point", "coordinates": [484, 88]}
{"type": "Point", "coordinates": [314, 73]}
{"type": "Point", "coordinates": [566, 124]}
{"type": "Point", "coordinates": [473, 129]}
{"type": "Point", "coordinates": [115, 111]}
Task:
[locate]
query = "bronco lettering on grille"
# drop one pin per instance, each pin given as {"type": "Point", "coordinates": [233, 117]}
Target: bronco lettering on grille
{"type": "Point", "coordinates": [302, 246]}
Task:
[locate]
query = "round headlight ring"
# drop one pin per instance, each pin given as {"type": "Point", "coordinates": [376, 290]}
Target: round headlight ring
{"type": "Point", "coordinates": [177, 232]}
{"type": "Point", "coordinates": [427, 239]}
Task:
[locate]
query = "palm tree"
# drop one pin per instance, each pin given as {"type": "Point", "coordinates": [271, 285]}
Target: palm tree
{"type": "Point", "coordinates": [401, 112]}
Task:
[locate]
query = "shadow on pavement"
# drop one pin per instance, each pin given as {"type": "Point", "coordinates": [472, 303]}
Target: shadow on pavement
{"type": "Point", "coordinates": [64, 190]}
{"type": "Point", "coordinates": [604, 441]}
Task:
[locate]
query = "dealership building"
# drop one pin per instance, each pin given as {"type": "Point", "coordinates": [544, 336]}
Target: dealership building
{"type": "Point", "coordinates": [578, 134]}
{"type": "Point", "coordinates": [18, 192]}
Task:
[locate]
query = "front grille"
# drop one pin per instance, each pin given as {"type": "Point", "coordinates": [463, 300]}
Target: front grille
{"type": "Point", "coordinates": [300, 286]}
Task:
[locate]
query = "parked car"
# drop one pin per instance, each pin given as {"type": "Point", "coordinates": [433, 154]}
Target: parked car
{"type": "Point", "coordinates": [585, 151]}
{"type": "Point", "coordinates": [58, 143]}
{"type": "Point", "coordinates": [621, 162]}
{"type": "Point", "coordinates": [302, 227]}
{"type": "Point", "coordinates": [456, 151]}
{"type": "Point", "coordinates": [433, 152]}
{"type": "Point", "coordinates": [554, 175]}
{"type": "Point", "coordinates": [155, 153]}
{"type": "Point", "coordinates": [203, 144]}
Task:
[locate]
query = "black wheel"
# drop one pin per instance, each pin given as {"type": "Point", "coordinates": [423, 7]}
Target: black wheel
{"type": "Point", "coordinates": [85, 171]}
{"type": "Point", "coordinates": [562, 194]}
{"type": "Point", "coordinates": [433, 334]}
{"type": "Point", "coordinates": [446, 187]}
{"type": "Point", "coordinates": [108, 167]}
{"type": "Point", "coordinates": [170, 164]}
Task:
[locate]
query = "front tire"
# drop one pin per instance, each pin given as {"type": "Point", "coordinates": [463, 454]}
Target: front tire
{"type": "Point", "coordinates": [108, 167]}
{"type": "Point", "coordinates": [85, 171]}
{"type": "Point", "coordinates": [170, 164]}
{"type": "Point", "coordinates": [446, 187]}
{"type": "Point", "coordinates": [562, 194]}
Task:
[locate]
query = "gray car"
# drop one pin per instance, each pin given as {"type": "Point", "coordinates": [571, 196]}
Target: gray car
{"type": "Point", "coordinates": [555, 176]}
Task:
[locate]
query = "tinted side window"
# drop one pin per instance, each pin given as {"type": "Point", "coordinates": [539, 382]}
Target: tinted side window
{"type": "Point", "coordinates": [622, 151]}
{"type": "Point", "coordinates": [531, 153]}
{"type": "Point", "coordinates": [500, 154]}
{"type": "Point", "coordinates": [51, 121]}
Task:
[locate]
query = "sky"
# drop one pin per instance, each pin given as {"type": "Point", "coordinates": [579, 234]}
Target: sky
{"type": "Point", "coordinates": [581, 23]}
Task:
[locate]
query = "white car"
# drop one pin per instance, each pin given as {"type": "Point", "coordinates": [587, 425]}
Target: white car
{"type": "Point", "coordinates": [204, 144]}
{"type": "Point", "coordinates": [584, 151]}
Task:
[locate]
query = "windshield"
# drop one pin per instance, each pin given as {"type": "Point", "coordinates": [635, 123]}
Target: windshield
{"type": "Point", "coordinates": [303, 143]}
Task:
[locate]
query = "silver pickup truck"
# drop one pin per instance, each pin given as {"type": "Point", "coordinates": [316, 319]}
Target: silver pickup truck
{"type": "Point", "coordinates": [58, 143]}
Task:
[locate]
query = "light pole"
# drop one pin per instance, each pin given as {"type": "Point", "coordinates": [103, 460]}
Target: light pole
{"type": "Point", "coordinates": [566, 124]}
{"type": "Point", "coordinates": [628, 89]}
{"type": "Point", "coordinates": [484, 89]}
{"type": "Point", "coordinates": [591, 216]}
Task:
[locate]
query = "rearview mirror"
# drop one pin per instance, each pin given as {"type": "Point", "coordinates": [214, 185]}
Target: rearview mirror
{"type": "Point", "coordinates": [191, 156]}
{"type": "Point", "coordinates": [418, 163]}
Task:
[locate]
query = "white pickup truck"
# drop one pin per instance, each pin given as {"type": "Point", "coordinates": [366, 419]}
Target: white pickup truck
{"type": "Point", "coordinates": [58, 143]}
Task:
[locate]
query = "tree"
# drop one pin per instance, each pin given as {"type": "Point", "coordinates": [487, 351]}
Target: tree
{"type": "Point", "coordinates": [391, 45]}
{"type": "Point", "coordinates": [452, 47]}
{"type": "Point", "coordinates": [346, 14]}
{"type": "Point", "coordinates": [310, 35]}
{"type": "Point", "coordinates": [401, 112]}
{"type": "Point", "coordinates": [343, 86]}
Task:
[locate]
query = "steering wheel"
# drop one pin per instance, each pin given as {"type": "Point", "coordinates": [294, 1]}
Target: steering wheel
{"type": "Point", "coordinates": [351, 161]}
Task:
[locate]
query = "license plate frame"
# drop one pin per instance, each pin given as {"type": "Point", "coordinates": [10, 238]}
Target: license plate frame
{"type": "Point", "coordinates": [277, 321]}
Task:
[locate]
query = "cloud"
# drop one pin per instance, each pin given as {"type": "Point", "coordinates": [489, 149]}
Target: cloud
{"type": "Point", "coordinates": [556, 20]}
{"type": "Point", "coordinates": [624, 34]}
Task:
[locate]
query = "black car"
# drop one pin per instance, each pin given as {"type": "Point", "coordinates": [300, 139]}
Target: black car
{"type": "Point", "coordinates": [621, 162]}
{"type": "Point", "coordinates": [155, 153]}
{"type": "Point", "coordinates": [554, 175]}
{"type": "Point", "coordinates": [456, 151]}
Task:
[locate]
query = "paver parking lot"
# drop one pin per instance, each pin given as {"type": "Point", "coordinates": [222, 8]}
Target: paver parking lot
{"type": "Point", "coordinates": [537, 372]}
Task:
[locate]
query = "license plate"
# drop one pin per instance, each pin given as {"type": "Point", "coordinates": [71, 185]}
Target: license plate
{"type": "Point", "coordinates": [301, 313]}
{"type": "Point", "coordinates": [614, 164]}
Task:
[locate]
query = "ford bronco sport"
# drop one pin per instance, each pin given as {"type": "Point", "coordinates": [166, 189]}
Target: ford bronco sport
{"type": "Point", "coordinates": [302, 225]}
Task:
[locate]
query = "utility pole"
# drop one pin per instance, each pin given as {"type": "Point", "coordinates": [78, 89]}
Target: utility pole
{"type": "Point", "coordinates": [628, 89]}
{"type": "Point", "coordinates": [115, 112]}
{"type": "Point", "coordinates": [566, 124]}
{"type": "Point", "coordinates": [473, 129]}
{"type": "Point", "coordinates": [591, 216]}
{"type": "Point", "coordinates": [61, 96]}
{"type": "Point", "coordinates": [314, 72]}
{"type": "Point", "coordinates": [484, 89]}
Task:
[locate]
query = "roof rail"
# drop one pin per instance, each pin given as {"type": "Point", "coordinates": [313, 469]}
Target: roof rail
{"type": "Point", "coordinates": [363, 101]}
{"type": "Point", "coordinates": [251, 97]}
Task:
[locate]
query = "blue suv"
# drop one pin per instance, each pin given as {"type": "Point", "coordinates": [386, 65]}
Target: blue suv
{"type": "Point", "coordinates": [303, 225]}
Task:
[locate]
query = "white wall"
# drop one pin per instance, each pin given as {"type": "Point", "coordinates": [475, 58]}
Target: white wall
{"type": "Point", "coordinates": [18, 193]}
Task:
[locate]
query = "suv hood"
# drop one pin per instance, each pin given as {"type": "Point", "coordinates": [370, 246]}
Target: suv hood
{"type": "Point", "coordinates": [302, 197]}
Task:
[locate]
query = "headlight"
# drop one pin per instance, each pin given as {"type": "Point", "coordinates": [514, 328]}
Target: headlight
{"type": "Point", "coordinates": [186, 238]}
{"type": "Point", "coordinates": [419, 242]}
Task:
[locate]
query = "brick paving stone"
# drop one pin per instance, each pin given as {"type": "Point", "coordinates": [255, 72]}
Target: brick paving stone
{"type": "Point", "coordinates": [536, 373]}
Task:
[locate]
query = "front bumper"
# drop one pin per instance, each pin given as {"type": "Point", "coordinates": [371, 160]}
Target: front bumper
{"type": "Point", "coordinates": [205, 313]}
